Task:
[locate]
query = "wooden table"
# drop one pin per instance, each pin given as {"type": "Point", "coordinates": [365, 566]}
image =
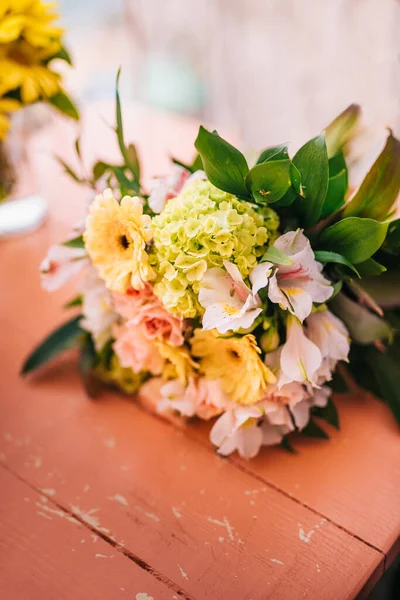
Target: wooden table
{"type": "Point", "coordinates": [102, 500]}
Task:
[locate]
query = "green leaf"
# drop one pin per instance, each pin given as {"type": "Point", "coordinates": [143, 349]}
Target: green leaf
{"type": "Point", "coordinates": [287, 445]}
{"type": "Point", "coordinates": [337, 287]}
{"type": "Point", "coordinates": [355, 238]}
{"type": "Point", "coordinates": [64, 104]}
{"type": "Point", "coordinates": [339, 131]}
{"type": "Point", "coordinates": [65, 337]}
{"type": "Point", "coordinates": [295, 178]}
{"type": "Point", "coordinates": [269, 181]}
{"type": "Point", "coordinates": [370, 268]}
{"type": "Point", "coordinates": [62, 54]}
{"type": "Point", "coordinates": [392, 241]}
{"type": "Point", "coordinates": [129, 158]}
{"type": "Point", "coordinates": [126, 184]}
{"type": "Point", "coordinates": [381, 186]}
{"type": "Point", "coordinates": [76, 242]}
{"type": "Point", "coordinates": [328, 413]}
{"type": "Point", "coordinates": [364, 326]}
{"type": "Point", "coordinates": [99, 168]}
{"type": "Point", "coordinates": [312, 163]}
{"type": "Point", "coordinates": [314, 431]}
{"type": "Point", "coordinates": [77, 301]}
{"type": "Point", "coordinates": [87, 364]}
{"type": "Point", "coordinates": [224, 165]}
{"type": "Point", "coordinates": [338, 384]}
{"type": "Point", "coordinates": [69, 170]}
{"type": "Point", "coordinates": [385, 290]}
{"type": "Point", "coordinates": [273, 153]}
{"type": "Point", "coordinates": [325, 257]}
{"type": "Point", "coordinates": [276, 256]}
{"type": "Point", "coordinates": [196, 165]}
{"type": "Point", "coordinates": [335, 196]}
{"type": "Point", "coordinates": [134, 160]}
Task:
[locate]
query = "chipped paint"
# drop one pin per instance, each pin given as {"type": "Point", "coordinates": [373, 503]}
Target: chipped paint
{"type": "Point", "coordinates": [276, 561]}
{"type": "Point", "coordinates": [119, 498]}
{"type": "Point", "coordinates": [148, 514]}
{"type": "Point", "coordinates": [225, 523]}
{"type": "Point", "coordinates": [110, 442]}
{"type": "Point", "coordinates": [143, 596]}
{"type": "Point", "coordinates": [48, 491]}
{"type": "Point", "coordinates": [184, 575]}
{"type": "Point", "coordinates": [176, 513]}
{"type": "Point", "coordinates": [305, 537]}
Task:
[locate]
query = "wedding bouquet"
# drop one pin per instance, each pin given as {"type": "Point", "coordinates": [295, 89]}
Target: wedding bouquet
{"type": "Point", "coordinates": [29, 43]}
{"type": "Point", "coordinates": [241, 289]}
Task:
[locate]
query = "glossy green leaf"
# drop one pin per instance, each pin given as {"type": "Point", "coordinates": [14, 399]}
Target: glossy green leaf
{"type": "Point", "coordinates": [225, 166]}
{"type": "Point", "coordinates": [335, 196]}
{"type": "Point", "coordinates": [370, 268]}
{"type": "Point", "coordinates": [312, 163]}
{"type": "Point", "coordinates": [339, 131]}
{"type": "Point", "coordinates": [64, 104]}
{"type": "Point", "coordinates": [314, 431]}
{"type": "Point", "coordinates": [69, 170]}
{"type": "Point", "coordinates": [355, 238]}
{"type": "Point", "coordinates": [325, 257]}
{"type": "Point", "coordinates": [99, 169]}
{"type": "Point", "coordinates": [269, 181]}
{"type": "Point", "coordinates": [381, 186]}
{"type": "Point", "coordinates": [134, 161]}
{"type": "Point", "coordinates": [328, 413]}
{"type": "Point", "coordinates": [276, 256]}
{"type": "Point", "coordinates": [62, 54]}
{"type": "Point", "coordinates": [87, 364]}
{"type": "Point", "coordinates": [295, 178]}
{"type": "Point", "coordinates": [65, 337]}
{"type": "Point", "coordinates": [392, 241]}
{"type": "Point", "coordinates": [76, 242]}
{"type": "Point", "coordinates": [273, 153]}
{"type": "Point", "coordinates": [364, 326]}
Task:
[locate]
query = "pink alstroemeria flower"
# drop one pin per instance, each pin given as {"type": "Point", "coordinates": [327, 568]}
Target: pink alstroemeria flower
{"type": "Point", "coordinates": [238, 429]}
{"type": "Point", "coordinates": [163, 189]}
{"type": "Point", "coordinates": [298, 359]}
{"type": "Point", "coordinates": [201, 397]}
{"type": "Point", "coordinates": [229, 303]}
{"type": "Point", "coordinates": [60, 265]}
{"type": "Point", "coordinates": [98, 315]}
{"type": "Point", "coordinates": [330, 335]}
{"type": "Point", "coordinates": [297, 285]}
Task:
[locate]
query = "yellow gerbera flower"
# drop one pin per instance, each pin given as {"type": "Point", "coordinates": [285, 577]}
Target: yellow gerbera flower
{"type": "Point", "coordinates": [30, 20]}
{"type": "Point", "coordinates": [178, 362]}
{"type": "Point", "coordinates": [235, 361]}
{"type": "Point", "coordinates": [21, 69]}
{"type": "Point", "coordinates": [115, 239]}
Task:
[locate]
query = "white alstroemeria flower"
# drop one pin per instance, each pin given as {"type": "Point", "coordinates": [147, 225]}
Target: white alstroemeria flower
{"type": "Point", "coordinates": [60, 265]}
{"type": "Point", "coordinates": [98, 315]}
{"type": "Point", "coordinates": [202, 397]}
{"type": "Point", "coordinates": [298, 359]}
{"type": "Point", "coordinates": [238, 429]}
{"type": "Point", "coordinates": [330, 335]}
{"type": "Point", "coordinates": [229, 303]}
{"type": "Point", "coordinates": [297, 285]}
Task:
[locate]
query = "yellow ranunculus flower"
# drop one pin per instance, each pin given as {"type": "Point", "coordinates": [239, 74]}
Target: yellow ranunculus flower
{"type": "Point", "coordinates": [115, 238]}
{"type": "Point", "coordinates": [235, 362]}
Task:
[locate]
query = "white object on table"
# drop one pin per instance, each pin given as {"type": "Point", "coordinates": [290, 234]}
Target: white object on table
{"type": "Point", "coordinates": [22, 216]}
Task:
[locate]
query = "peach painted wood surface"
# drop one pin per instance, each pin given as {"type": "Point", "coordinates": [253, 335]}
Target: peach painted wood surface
{"type": "Point", "coordinates": [172, 518]}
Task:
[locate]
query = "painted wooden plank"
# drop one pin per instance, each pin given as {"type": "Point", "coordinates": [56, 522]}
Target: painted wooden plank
{"type": "Point", "coordinates": [195, 518]}
{"type": "Point", "coordinates": [45, 553]}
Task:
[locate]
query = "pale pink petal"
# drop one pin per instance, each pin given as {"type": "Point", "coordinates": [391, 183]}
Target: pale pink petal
{"type": "Point", "coordinates": [260, 276]}
{"type": "Point", "coordinates": [215, 287]}
{"type": "Point", "coordinates": [249, 440]}
{"type": "Point", "coordinates": [301, 414]}
{"type": "Point", "coordinates": [299, 301]}
{"type": "Point", "coordinates": [60, 265]}
{"type": "Point", "coordinates": [330, 335]}
{"type": "Point", "coordinates": [300, 358]}
{"type": "Point", "coordinates": [270, 435]}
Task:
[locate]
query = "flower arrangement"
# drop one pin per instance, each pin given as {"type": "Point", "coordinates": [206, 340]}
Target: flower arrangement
{"type": "Point", "coordinates": [29, 43]}
{"type": "Point", "coordinates": [246, 291]}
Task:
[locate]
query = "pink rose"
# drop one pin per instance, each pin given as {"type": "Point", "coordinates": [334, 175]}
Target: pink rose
{"type": "Point", "coordinates": [156, 323]}
{"type": "Point", "coordinates": [135, 350]}
{"type": "Point", "coordinates": [128, 305]}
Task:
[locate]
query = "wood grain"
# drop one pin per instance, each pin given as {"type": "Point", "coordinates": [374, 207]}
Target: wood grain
{"type": "Point", "coordinates": [45, 554]}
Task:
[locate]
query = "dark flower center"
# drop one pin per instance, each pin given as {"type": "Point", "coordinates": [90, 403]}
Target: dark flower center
{"type": "Point", "coordinates": [123, 240]}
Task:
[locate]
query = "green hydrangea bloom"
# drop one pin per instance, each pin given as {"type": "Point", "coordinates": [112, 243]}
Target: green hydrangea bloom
{"type": "Point", "coordinates": [198, 230]}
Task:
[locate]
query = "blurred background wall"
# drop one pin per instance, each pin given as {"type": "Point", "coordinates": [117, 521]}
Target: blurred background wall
{"type": "Point", "coordinates": [267, 70]}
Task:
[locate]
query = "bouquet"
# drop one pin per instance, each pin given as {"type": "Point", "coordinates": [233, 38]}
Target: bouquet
{"type": "Point", "coordinates": [29, 43]}
{"type": "Point", "coordinates": [248, 292]}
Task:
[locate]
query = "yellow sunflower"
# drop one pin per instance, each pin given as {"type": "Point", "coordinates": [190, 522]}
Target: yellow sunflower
{"type": "Point", "coordinates": [235, 361]}
{"type": "Point", "coordinates": [178, 362]}
{"type": "Point", "coordinates": [115, 239]}
{"type": "Point", "coordinates": [31, 20]}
